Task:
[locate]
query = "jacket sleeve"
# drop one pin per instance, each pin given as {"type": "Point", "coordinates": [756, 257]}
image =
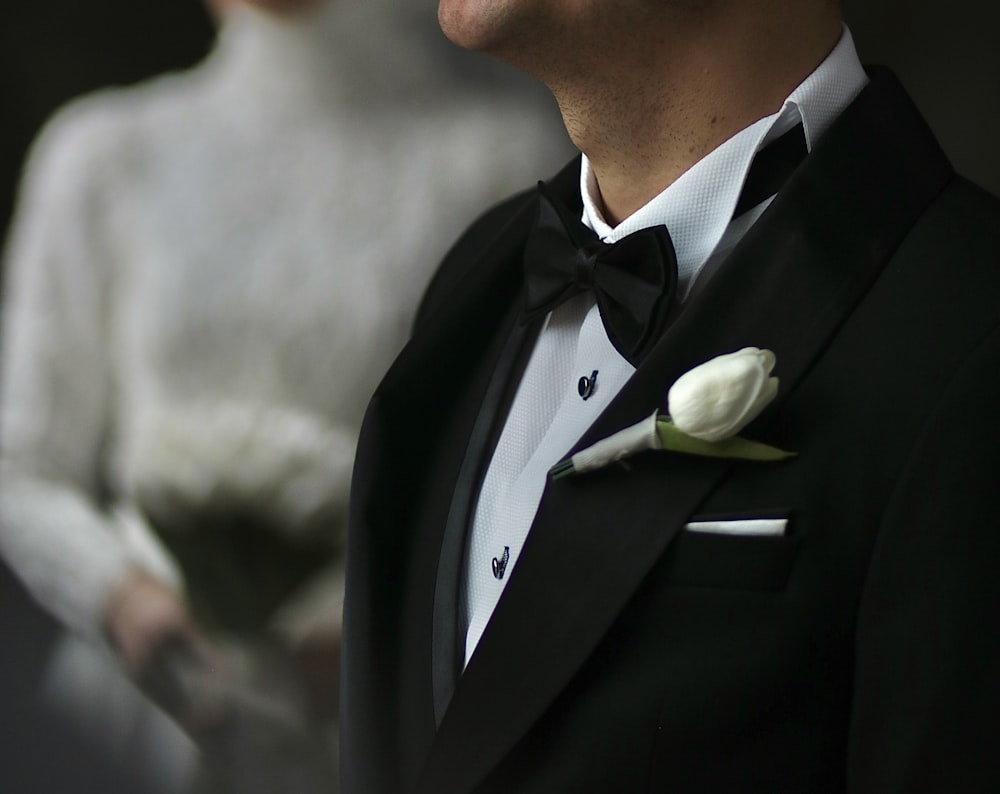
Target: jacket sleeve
{"type": "Point", "coordinates": [926, 709]}
{"type": "Point", "coordinates": [56, 395]}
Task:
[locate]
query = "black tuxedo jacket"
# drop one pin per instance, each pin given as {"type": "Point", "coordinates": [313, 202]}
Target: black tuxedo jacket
{"type": "Point", "coordinates": [859, 652]}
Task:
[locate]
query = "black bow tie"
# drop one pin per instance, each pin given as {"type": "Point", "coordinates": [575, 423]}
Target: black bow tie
{"type": "Point", "coordinates": [633, 280]}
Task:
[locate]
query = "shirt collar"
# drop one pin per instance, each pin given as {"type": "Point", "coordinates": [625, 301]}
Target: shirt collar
{"type": "Point", "coordinates": [699, 205]}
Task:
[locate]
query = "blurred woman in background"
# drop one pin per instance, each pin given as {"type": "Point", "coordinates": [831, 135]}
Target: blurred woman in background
{"type": "Point", "coordinates": [206, 277]}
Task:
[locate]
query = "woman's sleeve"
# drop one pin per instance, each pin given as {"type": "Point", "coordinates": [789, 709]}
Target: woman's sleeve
{"type": "Point", "coordinates": [56, 397]}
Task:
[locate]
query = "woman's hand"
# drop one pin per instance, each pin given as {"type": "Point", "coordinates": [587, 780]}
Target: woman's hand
{"type": "Point", "coordinates": [144, 616]}
{"type": "Point", "coordinates": [164, 651]}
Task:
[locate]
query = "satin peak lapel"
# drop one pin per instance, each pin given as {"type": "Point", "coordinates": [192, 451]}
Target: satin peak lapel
{"type": "Point", "coordinates": [391, 566]}
{"type": "Point", "coordinates": [507, 371]}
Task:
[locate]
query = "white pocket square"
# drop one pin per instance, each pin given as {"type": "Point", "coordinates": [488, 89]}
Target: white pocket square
{"type": "Point", "coordinates": [747, 527]}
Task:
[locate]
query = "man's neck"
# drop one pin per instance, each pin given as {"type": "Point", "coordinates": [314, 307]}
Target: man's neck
{"type": "Point", "coordinates": [670, 100]}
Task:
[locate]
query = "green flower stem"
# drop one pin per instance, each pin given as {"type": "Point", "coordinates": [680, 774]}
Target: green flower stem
{"type": "Point", "coordinates": [734, 448]}
{"type": "Point", "coordinates": [666, 436]}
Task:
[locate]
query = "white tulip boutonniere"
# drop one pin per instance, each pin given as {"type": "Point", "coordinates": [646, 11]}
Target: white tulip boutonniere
{"type": "Point", "coordinates": [707, 407]}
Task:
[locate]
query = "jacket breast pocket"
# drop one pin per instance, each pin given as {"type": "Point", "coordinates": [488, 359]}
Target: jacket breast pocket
{"type": "Point", "coordinates": [744, 552]}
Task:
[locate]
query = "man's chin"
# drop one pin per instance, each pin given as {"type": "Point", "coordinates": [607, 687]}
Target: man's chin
{"type": "Point", "coordinates": [474, 24]}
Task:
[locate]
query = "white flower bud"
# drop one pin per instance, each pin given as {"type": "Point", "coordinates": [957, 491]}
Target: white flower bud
{"type": "Point", "coordinates": [720, 397]}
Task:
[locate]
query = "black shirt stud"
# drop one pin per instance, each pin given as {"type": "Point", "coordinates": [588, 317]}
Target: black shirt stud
{"type": "Point", "coordinates": [586, 386]}
{"type": "Point", "coordinates": [500, 566]}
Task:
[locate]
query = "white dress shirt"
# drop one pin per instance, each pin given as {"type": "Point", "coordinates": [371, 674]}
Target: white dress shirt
{"type": "Point", "coordinates": [548, 415]}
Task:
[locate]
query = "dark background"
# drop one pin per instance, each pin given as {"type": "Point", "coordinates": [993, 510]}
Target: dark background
{"type": "Point", "coordinates": [948, 57]}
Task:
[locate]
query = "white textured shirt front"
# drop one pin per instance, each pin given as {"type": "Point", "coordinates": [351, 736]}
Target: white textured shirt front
{"type": "Point", "coordinates": [548, 414]}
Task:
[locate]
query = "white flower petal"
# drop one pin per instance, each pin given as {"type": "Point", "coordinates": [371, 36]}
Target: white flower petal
{"type": "Point", "coordinates": [717, 399]}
